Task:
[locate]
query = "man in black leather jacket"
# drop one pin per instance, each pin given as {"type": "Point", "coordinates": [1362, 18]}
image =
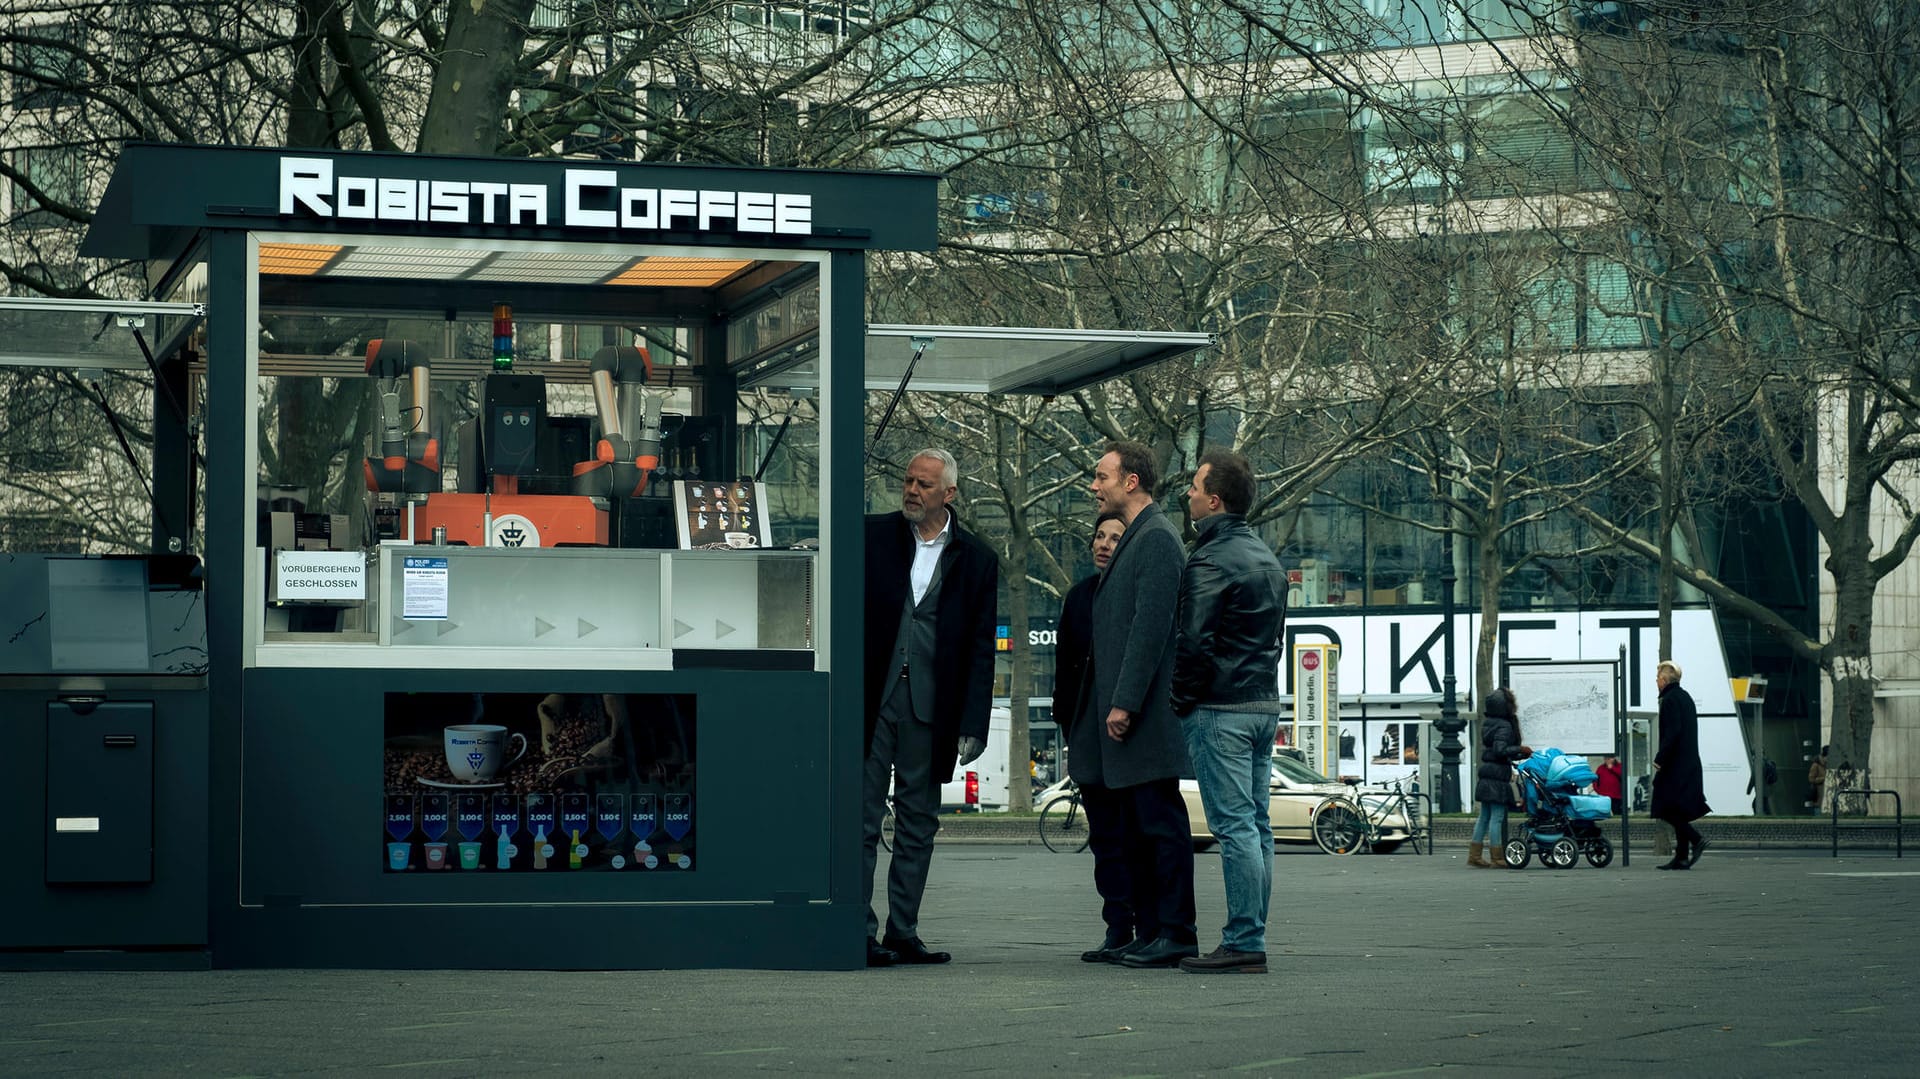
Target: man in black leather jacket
{"type": "Point", "coordinates": [1226, 686]}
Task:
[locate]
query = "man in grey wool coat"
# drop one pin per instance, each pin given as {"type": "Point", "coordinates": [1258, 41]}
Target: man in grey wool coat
{"type": "Point", "coordinates": [1128, 753]}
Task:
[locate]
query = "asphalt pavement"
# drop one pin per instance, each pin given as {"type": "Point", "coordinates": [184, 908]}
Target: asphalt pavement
{"type": "Point", "coordinates": [1754, 963]}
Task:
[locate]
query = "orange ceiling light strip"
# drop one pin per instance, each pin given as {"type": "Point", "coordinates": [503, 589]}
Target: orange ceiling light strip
{"type": "Point", "coordinates": [296, 260]}
{"type": "Point", "coordinates": [682, 272]}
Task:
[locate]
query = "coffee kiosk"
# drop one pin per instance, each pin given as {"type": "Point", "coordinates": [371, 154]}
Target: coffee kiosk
{"type": "Point", "coordinates": [526, 628]}
{"type": "Point", "coordinates": [469, 697]}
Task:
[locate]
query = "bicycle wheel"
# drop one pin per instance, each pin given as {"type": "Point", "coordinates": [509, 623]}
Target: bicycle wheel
{"type": "Point", "coordinates": [1063, 827]}
{"type": "Point", "coordinates": [1339, 826]}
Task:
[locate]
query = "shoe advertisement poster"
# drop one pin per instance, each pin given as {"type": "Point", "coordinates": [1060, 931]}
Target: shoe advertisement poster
{"type": "Point", "coordinates": [1391, 750]}
{"type": "Point", "coordinates": [529, 782]}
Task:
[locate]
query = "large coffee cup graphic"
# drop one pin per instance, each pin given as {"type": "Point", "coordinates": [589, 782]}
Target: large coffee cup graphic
{"type": "Point", "coordinates": [476, 752]}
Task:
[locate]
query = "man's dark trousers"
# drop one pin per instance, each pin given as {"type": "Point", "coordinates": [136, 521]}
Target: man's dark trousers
{"type": "Point", "coordinates": [903, 744]}
{"type": "Point", "coordinates": [1106, 813]}
{"type": "Point", "coordinates": [1159, 859]}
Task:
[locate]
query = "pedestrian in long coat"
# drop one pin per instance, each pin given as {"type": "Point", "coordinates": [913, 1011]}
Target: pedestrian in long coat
{"type": "Point", "coordinates": [1679, 785]}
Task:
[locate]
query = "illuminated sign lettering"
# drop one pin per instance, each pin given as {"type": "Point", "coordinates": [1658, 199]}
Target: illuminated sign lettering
{"type": "Point", "coordinates": [588, 199]}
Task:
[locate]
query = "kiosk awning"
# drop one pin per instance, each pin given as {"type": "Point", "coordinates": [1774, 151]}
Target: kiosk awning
{"type": "Point", "coordinates": [40, 332]}
{"type": "Point", "coordinates": [987, 359]}
{"type": "Point", "coordinates": [102, 334]}
{"type": "Point", "coordinates": [982, 359]}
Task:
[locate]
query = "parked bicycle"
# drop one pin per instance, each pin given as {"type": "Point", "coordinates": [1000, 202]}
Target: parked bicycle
{"type": "Point", "coordinates": [1361, 819]}
{"type": "Point", "coordinates": [1063, 822]}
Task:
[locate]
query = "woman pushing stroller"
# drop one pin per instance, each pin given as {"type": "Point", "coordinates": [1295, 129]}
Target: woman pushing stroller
{"type": "Point", "coordinates": [1500, 746]}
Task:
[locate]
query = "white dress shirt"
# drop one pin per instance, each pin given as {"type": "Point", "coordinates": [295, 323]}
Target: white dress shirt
{"type": "Point", "coordinates": [926, 555]}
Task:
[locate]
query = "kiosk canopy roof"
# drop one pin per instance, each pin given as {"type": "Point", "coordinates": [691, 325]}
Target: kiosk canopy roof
{"type": "Point", "coordinates": [43, 332]}
{"type": "Point", "coordinates": [991, 359]}
{"type": "Point", "coordinates": [40, 332]}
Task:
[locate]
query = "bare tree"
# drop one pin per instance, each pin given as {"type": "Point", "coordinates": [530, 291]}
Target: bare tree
{"type": "Point", "coordinates": [1766, 153]}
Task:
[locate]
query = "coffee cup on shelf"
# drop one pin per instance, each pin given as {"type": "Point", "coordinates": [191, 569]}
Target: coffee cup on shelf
{"type": "Point", "coordinates": [741, 539]}
{"type": "Point", "coordinates": [476, 752]}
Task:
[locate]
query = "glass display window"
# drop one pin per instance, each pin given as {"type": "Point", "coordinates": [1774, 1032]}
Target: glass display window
{"type": "Point", "coordinates": [496, 453]}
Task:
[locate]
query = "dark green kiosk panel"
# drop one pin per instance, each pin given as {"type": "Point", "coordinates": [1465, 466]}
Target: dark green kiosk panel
{"type": "Point", "coordinates": [532, 584]}
{"type": "Point", "coordinates": [99, 792]}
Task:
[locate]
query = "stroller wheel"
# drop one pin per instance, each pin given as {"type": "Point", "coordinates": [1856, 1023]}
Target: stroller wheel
{"type": "Point", "coordinates": [1564, 854]}
{"type": "Point", "coordinates": [1599, 852]}
{"type": "Point", "coordinates": [1517, 853]}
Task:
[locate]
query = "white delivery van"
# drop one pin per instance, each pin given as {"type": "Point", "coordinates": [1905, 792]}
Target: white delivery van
{"type": "Point", "coordinates": [982, 786]}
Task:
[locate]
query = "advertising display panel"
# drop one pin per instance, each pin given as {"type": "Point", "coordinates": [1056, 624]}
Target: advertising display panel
{"type": "Point", "coordinates": [1316, 705]}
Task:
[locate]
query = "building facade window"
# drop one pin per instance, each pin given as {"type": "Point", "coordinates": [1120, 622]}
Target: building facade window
{"type": "Point", "coordinates": [44, 425]}
{"type": "Point", "coordinates": [39, 533]}
{"type": "Point", "coordinates": [47, 67]}
{"type": "Point", "coordinates": [52, 187]}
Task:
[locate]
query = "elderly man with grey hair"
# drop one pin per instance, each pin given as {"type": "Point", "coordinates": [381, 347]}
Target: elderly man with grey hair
{"type": "Point", "coordinates": [930, 601]}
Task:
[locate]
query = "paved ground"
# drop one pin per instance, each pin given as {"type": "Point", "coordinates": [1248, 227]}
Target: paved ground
{"type": "Point", "coordinates": [1755, 963]}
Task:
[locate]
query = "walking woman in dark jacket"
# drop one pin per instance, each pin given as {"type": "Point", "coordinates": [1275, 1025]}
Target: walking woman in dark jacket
{"type": "Point", "coordinates": [1499, 747]}
{"type": "Point", "coordinates": [1679, 783]}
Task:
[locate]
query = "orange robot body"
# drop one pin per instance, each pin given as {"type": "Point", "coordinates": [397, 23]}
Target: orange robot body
{"type": "Point", "coordinates": [518, 520]}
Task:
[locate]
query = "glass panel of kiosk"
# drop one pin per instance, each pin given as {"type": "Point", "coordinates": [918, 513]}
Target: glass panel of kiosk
{"type": "Point", "coordinates": [523, 484]}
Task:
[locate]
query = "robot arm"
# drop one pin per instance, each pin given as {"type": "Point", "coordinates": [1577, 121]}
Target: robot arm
{"type": "Point", "coordinates": [409, 457]}
{"type": "Point", "coordinates": [622, 464]}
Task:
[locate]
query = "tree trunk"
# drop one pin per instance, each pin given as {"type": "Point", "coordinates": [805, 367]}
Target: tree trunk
{"type": "Point", "coordinates": [1010, 447]}
{"type": "Point", "coordinates": [1020, 685]}
{"type": "Point", "coordinates": [1848, 659]}
{"type": "Point", "coordinates": [466, 110]}
{"type": "Point", "coordinates": [1486, 674]}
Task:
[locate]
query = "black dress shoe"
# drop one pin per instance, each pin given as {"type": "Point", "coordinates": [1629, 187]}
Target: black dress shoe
{"type": "Point", "coordinates": [1105, 952]}
{"type": "Point", "coordinates": [911, 950]}
{"type": "Point", "coordinates": [1675, 864]}
{"type": "Point", "coordinates": [1160, 953]}
{"type": "Point", "coordinates": [1694, 854]}
{"type": "Point", "coordinates": [879, 955]}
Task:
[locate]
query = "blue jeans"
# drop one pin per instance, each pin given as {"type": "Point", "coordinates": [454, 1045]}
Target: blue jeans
{"type": "Point", "coordinates": [1492, 823]}
{"type": "Point", "coordinates": [1232, 760]}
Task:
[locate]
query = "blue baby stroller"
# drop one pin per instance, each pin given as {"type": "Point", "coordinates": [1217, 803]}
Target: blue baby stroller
{"type": "Point", "coordinates": [1562, 823]}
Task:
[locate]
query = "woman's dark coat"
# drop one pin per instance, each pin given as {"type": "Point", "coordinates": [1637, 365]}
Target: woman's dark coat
{"type": "Point", "coordinates": [1070, 652]}
{"type": "Point", "coordinates": [1131, 665]}
{"type": "Point", "coordinates": [1499, 748]}
{"type": "Point", "coordinates": [1679, 788]}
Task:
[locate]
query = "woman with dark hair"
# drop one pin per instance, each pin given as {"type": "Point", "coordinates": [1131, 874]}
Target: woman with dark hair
{"type": "Point", "coordinates": [1076, 623]}
{"type": "Point", "coordinates": [1110, 875]}
{"type": "Point", "coordinates": [1500, 746]}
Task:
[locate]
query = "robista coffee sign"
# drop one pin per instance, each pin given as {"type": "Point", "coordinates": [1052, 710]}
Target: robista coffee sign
{"type": "Point", "coordinates": [578, 197]}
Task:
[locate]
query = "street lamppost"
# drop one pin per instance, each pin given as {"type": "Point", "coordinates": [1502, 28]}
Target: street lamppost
{"type": "Point", "coordinates": [1449, 724]}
